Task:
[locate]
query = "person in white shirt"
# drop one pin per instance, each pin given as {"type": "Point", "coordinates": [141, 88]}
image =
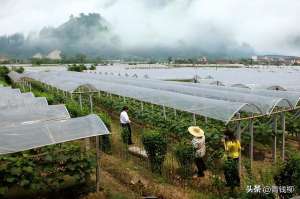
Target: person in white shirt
{"type": "Point", "coordinates": [198, 143]}
{"type": "Point", "coordinates": [125, 123]}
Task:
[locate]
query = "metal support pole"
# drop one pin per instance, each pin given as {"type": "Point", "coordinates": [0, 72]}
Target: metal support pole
{"type": "Point", "coordinates": [142, 106]}
{"type": "Point", "coordinates": [274, 137]}
{"type": "Point", "coordinates": [238, 133]}
{"type": "Point", "coordinates": [164, 111]}
{"type": "Point", "coordinates": [91, 103]}
{"type": "Point", "coordinates": [30, 87]}
{"type": "Point", "coordinates": [80, 101]}
{"type": "Point", "coordinates": [23, 85]}
{"type": "Point", "coordinates": [251, 142]}
{"type": "Point", "coordinates": [194, 119]}
{"type": "Point", "coordinates": [206, 121]}
{"type": "Point", "coordinates": [124, 99]}
{"type": "Point", "coordinates": [175, 113]}
{"type": "Point", "coordinates": [283, 135]}
{"type": "Point", "coordinates": [98, 165]}
{"type": "Point", "coordinates": [71, 94]}
{"type": "Point", "coordinates": [99, 94]}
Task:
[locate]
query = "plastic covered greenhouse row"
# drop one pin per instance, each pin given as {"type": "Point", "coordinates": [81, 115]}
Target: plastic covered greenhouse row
{"type": "Point", "coordinates": [216, 102]}
{"type": "Point", "coordinates": [28, 122]}
{"type": "Point", "coordinates": [223, 103]}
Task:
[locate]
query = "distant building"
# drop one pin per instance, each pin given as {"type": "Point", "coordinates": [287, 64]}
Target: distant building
{"type": "Point", "coordinates": [3, 59]}
{"type": "Point", "coordinates": [276, 59]}
{"type": "Point", "coordinates": [54, 55]}
{"type": "Point", "coordinates": [37, 56]}
{"type": "Point", "coordinates": [202, 60]}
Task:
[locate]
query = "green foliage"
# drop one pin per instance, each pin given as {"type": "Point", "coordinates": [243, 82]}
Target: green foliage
{"type": "Point", "coordinates": [93, 67]}
{"type": "Point", "coordinates": [3, 74]}
{"type": "Point", "coordinates": [174, 128]}
{"type": "Point", "coordinates": [231, 173]}
{"type": "Point", "coordinates": [77, 68]}
{"type": "Point", "coordinates": [18, 69]}
{"type": "Point", "coordinates": [75, 110]}
{"type": "Point", "coordinates": [185, 155]}
{"type": "Point", "coordinates": [3, 71]}
{"type": "Point", "coordinates": [289, 175]}
{"type": "Point", "coordinates": [156, 147]}
{"type": "Point", "coordinates": [125, 135]}
{"type": "Point", "coordinates": [105, 142]}
{"type": "Point", "coordinates": [45, 168]}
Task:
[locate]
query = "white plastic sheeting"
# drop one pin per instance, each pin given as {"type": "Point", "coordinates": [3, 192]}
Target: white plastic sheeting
{"type": "Point", "coordinates": [214, 108]}
{"type": "Point", "coordinates": [264, 103]}
{"type": "Point", "coordinates": [14, 76]}
{"type": "Point", "coordinates": [30, 114]}
{"type": "Point", "coordinates": [9, 91]}
{"type": "Point", "coordinates": [25, 137]}
{"type": "Point", "coordinates": [35, 102]}
{"type": "Point", "coordinates": [292, 96]}
{"type": "Point", "coordinates": [28, 122]}
{"type": "Point", "coordinates": [217, 102]}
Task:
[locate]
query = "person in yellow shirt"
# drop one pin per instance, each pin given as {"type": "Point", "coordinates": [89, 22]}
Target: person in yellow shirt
{"type": "Point", "coordinates": [232, 148]}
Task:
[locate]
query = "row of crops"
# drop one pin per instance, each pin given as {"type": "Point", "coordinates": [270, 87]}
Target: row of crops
{"type": "Point", "coordinates": [170, 132]}
{"type": "Point", "coordinates": [169, 127]}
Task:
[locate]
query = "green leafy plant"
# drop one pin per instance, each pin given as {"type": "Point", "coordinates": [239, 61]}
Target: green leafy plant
{"type": "Point", "coordinates": [156, 147]}
{"type": "Point", "coordinates": [46, 168]}
{"type": "Point", "coordinates": [93, 67]}
{"type": "Point", "coordinates": [77, 68]}
{"type": "Point", "coordinates": [125, 135]}
{"type": "Point", "coordinates": [289, 175]}
{"type": "Point", "coordinates": [185, 155]}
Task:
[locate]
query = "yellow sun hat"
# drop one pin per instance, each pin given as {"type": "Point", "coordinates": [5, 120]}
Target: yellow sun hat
{"type": "Point", "coordinates": [196, 131]}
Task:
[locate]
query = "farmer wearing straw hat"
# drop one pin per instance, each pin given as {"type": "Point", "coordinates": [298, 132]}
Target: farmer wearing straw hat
{"type": "Point", "coordinates": [198, 143]}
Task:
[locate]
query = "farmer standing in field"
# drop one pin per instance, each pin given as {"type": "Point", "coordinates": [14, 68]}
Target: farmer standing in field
{"type": "Point", "coordinates": [198, 143]}
{"type": "Point", "coordinates": [125, 124]}
{"type": "Point", "coordinates": [232, 148]}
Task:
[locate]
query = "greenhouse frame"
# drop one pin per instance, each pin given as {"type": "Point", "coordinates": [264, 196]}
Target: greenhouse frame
{"type": "Point", "coordinates": [223, 103]}
{"type": "Point", "coordinates": [28, 123]}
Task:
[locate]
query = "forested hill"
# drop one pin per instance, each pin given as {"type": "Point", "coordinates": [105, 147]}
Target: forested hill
{"type": "Point", "coordinates": [89, 34]}
{"type": "Point", "coordinates": [92, 35]}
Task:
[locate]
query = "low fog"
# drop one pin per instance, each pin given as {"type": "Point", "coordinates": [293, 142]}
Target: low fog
{"type": "Point", "coordinates": [157, 28]}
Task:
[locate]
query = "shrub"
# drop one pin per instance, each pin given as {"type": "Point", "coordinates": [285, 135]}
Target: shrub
{"type": "Point", "coordinates": [289, 175]}
{"type": "Point", "coordinates": [185, 155]}
{"type": "Point", "coordinates": [3, 71]}
{"type": "Point", "coordinates": [46, 168]}
{"type": "Point", "coordinates": [3, 74]}
{"type": "Point", "coordinates": [156, 147]}
{"type": "Point", "coordinates": [19, 69]}
{"type": "Point", "coordinates": [125, 135]}
{"type": "Point", "coordinates": [93, 67]}
{"type": "Point", "coordinates": [105, 142]}
{"type": "Point", "coordinates": [77, 68]}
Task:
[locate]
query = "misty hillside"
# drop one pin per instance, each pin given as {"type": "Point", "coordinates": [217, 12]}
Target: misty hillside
{"type": "Point", "coordinates": [92, 35]}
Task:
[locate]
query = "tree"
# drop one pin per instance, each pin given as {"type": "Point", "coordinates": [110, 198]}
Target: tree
{"type": "Point", "coordinates": [80, 58]}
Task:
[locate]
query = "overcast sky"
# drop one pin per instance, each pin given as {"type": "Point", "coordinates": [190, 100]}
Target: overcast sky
{"type": "Point", "coordinates": [269, 26]}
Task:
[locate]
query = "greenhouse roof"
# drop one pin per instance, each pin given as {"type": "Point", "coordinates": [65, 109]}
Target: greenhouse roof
{"type": "Point", "coordinates": [217, 102]}
{"type": "Point", "coordinates": [28, 122]}
{"type": "Point", "coordinates": [30, 114]}
{"type": "Point", "coordinates": [265, 104]}
{"type": "Point", "coordinates": [24, 137]}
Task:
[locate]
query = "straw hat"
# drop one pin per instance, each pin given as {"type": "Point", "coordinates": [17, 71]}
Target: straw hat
{"type": "Point", "coordinates": [196, 131]}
